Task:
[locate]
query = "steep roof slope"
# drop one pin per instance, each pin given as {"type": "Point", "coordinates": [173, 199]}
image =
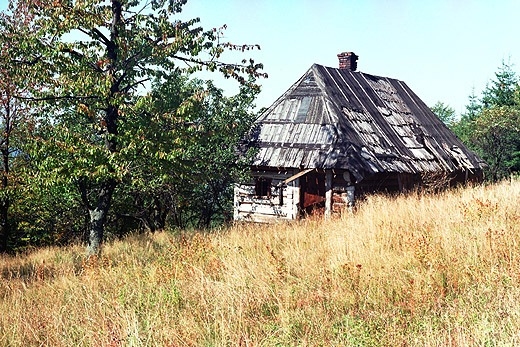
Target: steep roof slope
{"type": "Point", "coordinates": [337, 118]}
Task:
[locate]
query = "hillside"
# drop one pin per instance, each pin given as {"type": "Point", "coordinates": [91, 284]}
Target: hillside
{"type": "Point", "coordinates": [438, 270]}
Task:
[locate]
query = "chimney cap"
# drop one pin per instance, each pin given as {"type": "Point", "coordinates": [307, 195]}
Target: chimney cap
{"type": "Point", "coordinates": [347, 54]}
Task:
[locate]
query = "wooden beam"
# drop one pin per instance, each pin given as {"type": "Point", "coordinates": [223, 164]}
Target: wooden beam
{"type": "Point", "coordinates": [298, 175]}
{"type": "Point", "coordinates": [328, 193]}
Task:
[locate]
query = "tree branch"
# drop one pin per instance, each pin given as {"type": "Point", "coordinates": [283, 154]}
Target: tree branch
{"type": "Point", "coordinates": [82, 57]}
{"type": "Point", "coordinates": [105, 40]}
{"type": "Point", "coordinates": [27, 62]}
{"type": "Point", "coordinates": [55, 98]}
{"type": "Point", "coordinates": [127, 88]}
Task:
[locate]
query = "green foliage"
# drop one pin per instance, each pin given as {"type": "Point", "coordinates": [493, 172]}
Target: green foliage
{"type": "Point", "coordinates": [47, 215]}
{"type": "Point", "coordinates": [194, 139]}
{"type": "Point", "coordinates": [116, 119]}
{"type": "Point", "coordinates": [214, 160]}
{"type": "Point", "coordinates": [473, 108]}
{"type": "Point", "coordinates": [445, 113]}
{"type": "Point", "coordinates": [16, 116]}
{"type": "Point", "coordinates": [491, 126]}
{"type": "Point", "coordinates": [495, 135]}
{"type": "Point", "coordinates": [463, 127]}
{"type": "Point", "coordinates": [501, 90]}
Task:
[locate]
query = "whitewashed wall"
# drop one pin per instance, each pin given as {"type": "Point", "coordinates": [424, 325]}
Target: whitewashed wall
{"type": "Point", "coordinates": [247, 207]}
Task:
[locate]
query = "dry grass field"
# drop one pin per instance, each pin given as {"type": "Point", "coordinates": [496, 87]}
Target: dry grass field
{"type": "Point", "coordinates": [440, 270]}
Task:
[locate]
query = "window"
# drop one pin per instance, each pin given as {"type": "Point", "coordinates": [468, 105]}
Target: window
{"type": "Point", "coordinates": [263, 187]}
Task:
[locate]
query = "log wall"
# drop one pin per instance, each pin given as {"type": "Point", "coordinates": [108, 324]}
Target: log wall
{"type": "Point", "coordinates": [248, 207]}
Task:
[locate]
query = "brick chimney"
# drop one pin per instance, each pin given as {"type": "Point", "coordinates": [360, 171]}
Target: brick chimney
{"type": "Point", "coordinates": [348, 61]}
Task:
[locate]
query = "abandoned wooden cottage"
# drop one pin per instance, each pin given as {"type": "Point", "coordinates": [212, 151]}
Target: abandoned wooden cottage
{"type": "Point", "coordinates": [337, 133]}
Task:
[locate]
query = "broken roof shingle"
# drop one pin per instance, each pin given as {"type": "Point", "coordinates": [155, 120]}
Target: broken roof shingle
{"type": "Point", "coordinates": [337, 118]}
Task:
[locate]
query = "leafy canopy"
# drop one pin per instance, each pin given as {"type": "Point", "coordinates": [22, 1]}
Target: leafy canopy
{"type": "Point", "coordinates": [490, 126]}
{"type": "Point", "coordinates": [92, 64]}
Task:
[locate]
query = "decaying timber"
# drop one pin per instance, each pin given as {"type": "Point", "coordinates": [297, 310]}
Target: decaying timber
{"type": "Point", "coordinates": [344, 131]}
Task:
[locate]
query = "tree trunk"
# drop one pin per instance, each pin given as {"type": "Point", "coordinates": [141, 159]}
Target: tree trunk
{"type": "Point", "coordinates": [4, 200]}
{"type": "Point", "coordinates": [98, 215]}
{"type": "Point", "coordinates": [159, 214]}
{"type": "Point", "coordinates": [4, 224]}
{"type": "Point", "coordinates": [98, 211]}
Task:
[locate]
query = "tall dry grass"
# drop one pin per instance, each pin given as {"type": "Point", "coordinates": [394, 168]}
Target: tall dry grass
{"type": "Point", "coordinates": [439, 270]}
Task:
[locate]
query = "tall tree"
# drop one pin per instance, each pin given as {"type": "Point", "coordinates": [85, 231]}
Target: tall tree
{"type": "Point", "coordinates": [473, 107]}
{"type": "Point", "coordinates": [445, 113]}
{"type": "Point", "coordinates": [490, 127]}
{"type": "Point", "coordinates": [217, 124]}
{"type": "Point", "coordinates": [501, 90]}
{"type": "Point", "coordinates": [496, 128]}
{"type": "Point", "coordinates": [495, 136]}
{"type": "Point", "coordinates": [14, 112]}
{"type": "Point", "coordinates": [193, 132]}
{"type": "Point", "coordinates": [98, 57]}
{"type": "Point", "coordinates": [463, 126]}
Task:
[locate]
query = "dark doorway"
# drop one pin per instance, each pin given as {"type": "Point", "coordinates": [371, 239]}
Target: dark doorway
{"type": "Point", "coordinates": [312, 197]}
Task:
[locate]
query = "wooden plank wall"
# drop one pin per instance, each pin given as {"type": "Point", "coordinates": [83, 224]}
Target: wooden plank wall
{"type": "Point", "coordinates": [247, 207]}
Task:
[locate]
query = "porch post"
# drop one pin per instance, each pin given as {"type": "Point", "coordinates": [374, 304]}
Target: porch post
{"type": "Point", "coordinates": [328, 193]}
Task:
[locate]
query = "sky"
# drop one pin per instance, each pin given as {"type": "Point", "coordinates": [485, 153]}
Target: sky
{"type": "Point", "coordinates": [443, 50]}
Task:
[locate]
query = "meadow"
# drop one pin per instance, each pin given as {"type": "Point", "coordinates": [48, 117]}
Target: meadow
{"type": "Point", "coordinates": [416, 270]}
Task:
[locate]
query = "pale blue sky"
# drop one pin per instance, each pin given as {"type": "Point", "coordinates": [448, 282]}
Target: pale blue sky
{"type": "Point", "coordinates": [440, 48]}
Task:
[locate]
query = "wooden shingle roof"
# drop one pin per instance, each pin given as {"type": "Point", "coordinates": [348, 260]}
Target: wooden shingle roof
{"type": "Point", "coordinates": [337, 118]}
